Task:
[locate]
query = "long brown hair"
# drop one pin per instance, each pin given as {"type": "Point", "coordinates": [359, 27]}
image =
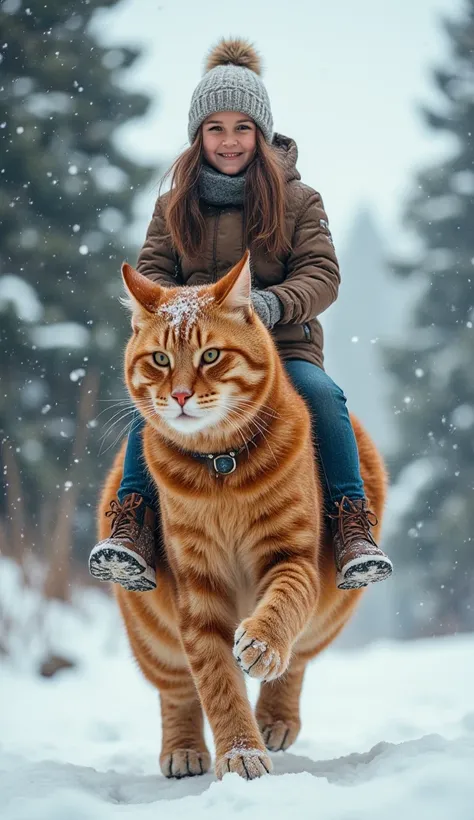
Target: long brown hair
{"type": "Point", "coordinates": [264, 205]}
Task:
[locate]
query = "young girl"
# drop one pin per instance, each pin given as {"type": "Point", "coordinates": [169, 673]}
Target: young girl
{"type": "Point", "coordinates": [237, 187]}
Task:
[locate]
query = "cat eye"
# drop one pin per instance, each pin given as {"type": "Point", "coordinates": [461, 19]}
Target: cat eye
{"type": "Point", "coordinates": [210, 356]}
{"type": "Point", "coordinates": [161, 359]}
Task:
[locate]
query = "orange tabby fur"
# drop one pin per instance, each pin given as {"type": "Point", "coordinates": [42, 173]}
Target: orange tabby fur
{"type": "Point", "coordinates": [245, 552]}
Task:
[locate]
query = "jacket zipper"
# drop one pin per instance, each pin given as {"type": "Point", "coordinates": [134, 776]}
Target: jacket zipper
{"type": "Point", "coordinates": [177, 268]}
{"type": "Point", "coordinates": [307, 332]}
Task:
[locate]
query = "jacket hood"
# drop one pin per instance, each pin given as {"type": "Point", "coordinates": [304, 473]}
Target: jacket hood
{"type": "Point", "coordinates": [288, 151]}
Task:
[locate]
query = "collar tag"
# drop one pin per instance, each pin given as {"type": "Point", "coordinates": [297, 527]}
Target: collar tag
{"type": "Point", "coordinates": [225, 464]}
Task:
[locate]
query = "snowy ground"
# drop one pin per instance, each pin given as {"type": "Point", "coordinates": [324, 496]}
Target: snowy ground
{"type": "Point", "coordinates": [388, 733]}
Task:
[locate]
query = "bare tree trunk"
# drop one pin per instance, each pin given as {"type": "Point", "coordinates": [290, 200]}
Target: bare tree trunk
{"type": "Point", "coordinates": [57, 584]}
{"type": "Point", "coordinates": [4, 548]}
{"type": "Point", "coordinates": [14, 534]}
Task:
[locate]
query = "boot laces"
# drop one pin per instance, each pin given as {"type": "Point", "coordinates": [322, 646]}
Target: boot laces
{"type": "Point", "coordinates": [123, 514]}
{"type": "Point", "coordinates": [354, 521]}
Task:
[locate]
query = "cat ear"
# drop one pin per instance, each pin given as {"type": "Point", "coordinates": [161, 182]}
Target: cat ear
{"type": "Point", "coordinates": [233, 290]}
{"type": "Point", "coordinates": [144, 295]}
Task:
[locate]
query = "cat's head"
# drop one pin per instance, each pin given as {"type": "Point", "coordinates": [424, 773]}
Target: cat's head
{"type": "Point", "coordinates": [199, 362]}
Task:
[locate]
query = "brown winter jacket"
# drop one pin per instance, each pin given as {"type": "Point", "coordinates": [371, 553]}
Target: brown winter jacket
{"type": "Point", "coordinates": [305, 279]}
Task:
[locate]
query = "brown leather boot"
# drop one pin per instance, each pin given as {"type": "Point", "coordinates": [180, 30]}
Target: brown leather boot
{"type": "Point", "coordinates": [127, 556]}
{"type": "Point", "coordinates": [359, 561]}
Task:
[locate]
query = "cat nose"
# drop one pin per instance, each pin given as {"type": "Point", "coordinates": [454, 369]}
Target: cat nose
{"type": "Point", "coordinates": [182, 394]}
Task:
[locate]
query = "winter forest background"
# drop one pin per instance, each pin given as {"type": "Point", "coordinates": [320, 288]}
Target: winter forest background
{"type": "Point", "coordinates": [93, 103]}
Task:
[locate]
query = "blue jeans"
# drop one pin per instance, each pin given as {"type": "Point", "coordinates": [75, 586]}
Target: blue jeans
{"type": "Point", "coordinates": [333, 437]}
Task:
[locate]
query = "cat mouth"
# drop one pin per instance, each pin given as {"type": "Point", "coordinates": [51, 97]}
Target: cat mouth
{"type": "Point", "coordinates": [185, 418]}
{"type": "Point", "coordinates": [181, 417]}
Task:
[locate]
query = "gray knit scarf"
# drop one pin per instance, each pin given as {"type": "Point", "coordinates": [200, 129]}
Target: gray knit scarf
{"type": "Point", "coordinates": [221, 189]}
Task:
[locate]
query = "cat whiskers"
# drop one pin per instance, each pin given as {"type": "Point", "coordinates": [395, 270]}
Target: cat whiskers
{"type": "Point", "coordinates": [129, 426]}
{"type": "Point", "coordinates": [126, 430]}
{"type": "Point", "coordinates": [238, 429]}
{"type": "Point", "coordinates": [248, 404]}
{"type": "Point", "coordinates": [126, 408]}
{"type": "Point", "coordinates": [131, 409]}
{"type": "Point", "coordinates": [245, 406]}
{"type": "Point", "coordinates": [252, 422]}
{"type": "Point", "coordinates": [244, 413]}
{"type": "Point", "coordinates": [122, 415]}
{"type": "Point", "coordinates": [124, 395]}
{"type": "Point", "coordinates": [124, 403]}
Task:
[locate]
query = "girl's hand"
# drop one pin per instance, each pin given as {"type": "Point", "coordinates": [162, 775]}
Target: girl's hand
{"type": "Point", "coordinates": [267, 306]}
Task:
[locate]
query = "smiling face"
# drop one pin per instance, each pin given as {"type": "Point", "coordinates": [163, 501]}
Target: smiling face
{"type": "Point", "coordinates": [191, 364]}
{"type": "Point", "coordinates": [229, 141]}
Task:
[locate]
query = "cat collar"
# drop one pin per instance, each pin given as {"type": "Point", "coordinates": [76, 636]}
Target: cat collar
{"type": "Point", "coordinates": [222, 463]}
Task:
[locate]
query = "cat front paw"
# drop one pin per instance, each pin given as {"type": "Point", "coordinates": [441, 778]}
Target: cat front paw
{"type": "Point", "coordinates": [248, 763]}
{"type": "Point", "coordinates": [185, 763]}
{"type": "Point", "coordinates": [279, 735]}
{"type": "Point", "coordinates": [256, 655]}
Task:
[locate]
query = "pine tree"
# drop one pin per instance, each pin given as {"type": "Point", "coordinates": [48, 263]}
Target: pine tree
{"type": "Point", "coordinates": [433, 369]}
{"type": "Point", "coordinates": [66, 201]}
{"type": "Point", "coordinates": [353, 338]}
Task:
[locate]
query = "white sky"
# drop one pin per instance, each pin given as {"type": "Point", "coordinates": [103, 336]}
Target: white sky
{"type": "Point", "coordinates": [344, 78]}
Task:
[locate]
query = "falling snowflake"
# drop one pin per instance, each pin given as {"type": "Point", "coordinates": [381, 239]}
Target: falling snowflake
{"type": "Point", "coordinates": [75, 375]}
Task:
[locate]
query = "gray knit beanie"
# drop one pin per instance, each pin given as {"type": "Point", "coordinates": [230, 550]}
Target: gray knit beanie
{"type": "Point", "coordinates": [231, 83]}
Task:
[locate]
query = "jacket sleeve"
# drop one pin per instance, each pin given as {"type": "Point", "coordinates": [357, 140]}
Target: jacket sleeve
{"type": "Point", "coordinates": [157, 260]}
{"type": "Point", "coordinates": [312, 280]}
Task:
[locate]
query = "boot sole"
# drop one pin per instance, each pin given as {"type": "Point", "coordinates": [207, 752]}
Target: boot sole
{"type": "Point", "coordinates": [121, 566]}
{"type": "Point", "coordinates": [360, 572]}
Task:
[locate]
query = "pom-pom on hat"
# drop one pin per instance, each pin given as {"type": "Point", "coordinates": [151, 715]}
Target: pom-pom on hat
{"type": "Point", "coordinates": [231, 83]}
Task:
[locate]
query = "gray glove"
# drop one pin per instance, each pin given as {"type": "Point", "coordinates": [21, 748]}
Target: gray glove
{"type": "Point", "coordinates": [267, 306]}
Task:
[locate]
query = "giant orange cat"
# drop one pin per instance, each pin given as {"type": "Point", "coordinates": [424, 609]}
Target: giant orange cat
{"type": "Point", "coordinates": [246, 583]}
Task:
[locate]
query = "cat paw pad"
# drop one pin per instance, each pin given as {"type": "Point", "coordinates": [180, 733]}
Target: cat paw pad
{"type": "Point", "coordinates": [256, 657]}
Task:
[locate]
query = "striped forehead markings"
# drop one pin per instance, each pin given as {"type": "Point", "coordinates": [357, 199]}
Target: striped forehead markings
{"type": "Point", "coordinates": [184, 310]}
